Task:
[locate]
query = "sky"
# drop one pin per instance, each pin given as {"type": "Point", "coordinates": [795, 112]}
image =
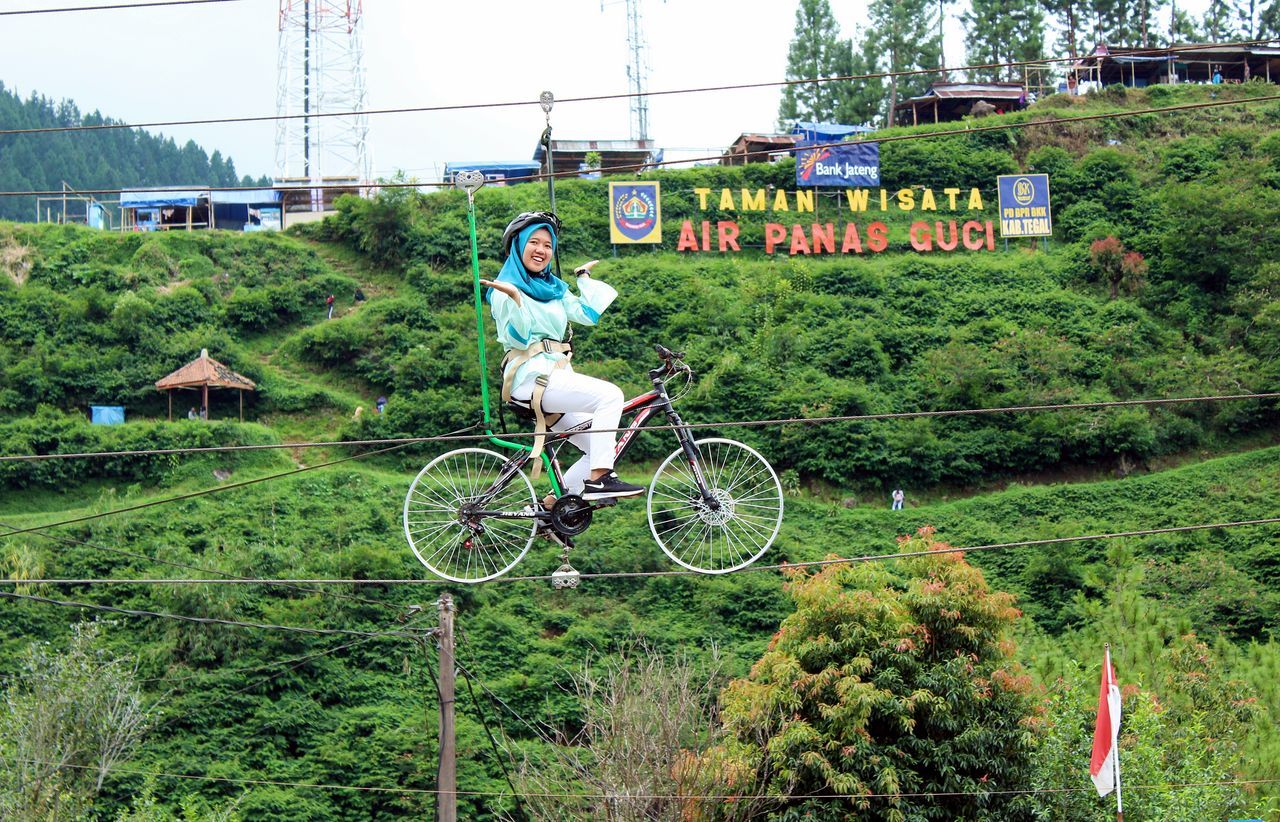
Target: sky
{"type": "Point", "coordinates": [220, 60]}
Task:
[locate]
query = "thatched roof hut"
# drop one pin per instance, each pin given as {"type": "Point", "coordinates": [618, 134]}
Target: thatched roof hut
{"type": "Point", "coordinates": [202, 373]}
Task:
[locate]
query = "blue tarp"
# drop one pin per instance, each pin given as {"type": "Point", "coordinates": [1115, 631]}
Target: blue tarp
{"type": "Point", "coordinates": [257, 196]}
{"type": "Point", "coordinates": [827, 132]}
{"type": "Point", "coordinates": [156, 199]}
{"type": "Point", "coordinates": [107, 414]}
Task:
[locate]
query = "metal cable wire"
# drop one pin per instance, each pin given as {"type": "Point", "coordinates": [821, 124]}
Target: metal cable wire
{"type": "Point", "coordinates": [1175, 529]}
{"type": "Point", "coordinates": [884, 75]}
{"type": "Point", "coordinates": [113, 7]}
{"type": "Point", "coordinates": [186, 618]}
{"type": "Point", "coordinates": [194, 494]}
{"type": "Point", "coordinates": [109, 549]}
{"type": "Point", "coordinates": [461, 437]}
{"type": "Point", "coordinates": [760, 154]}
{"type": "Point", "coordinates": [1163, 786]}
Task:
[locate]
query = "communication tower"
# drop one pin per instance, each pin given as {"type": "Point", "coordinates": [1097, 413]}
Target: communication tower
{"type": "Point", "coordinates": [637, 70]}
{"type": "Point", "coordinates": [320, 72]}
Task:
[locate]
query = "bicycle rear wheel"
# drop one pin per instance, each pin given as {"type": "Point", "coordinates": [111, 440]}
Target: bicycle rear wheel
{"type": "Point", "coordinates": [716, 540]}
{"type": "Point", "coordinates": [441, 518]}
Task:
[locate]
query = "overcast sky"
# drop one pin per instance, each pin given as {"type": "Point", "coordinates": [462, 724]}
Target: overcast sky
{"type": "Point", "coordinates": [219, 60]}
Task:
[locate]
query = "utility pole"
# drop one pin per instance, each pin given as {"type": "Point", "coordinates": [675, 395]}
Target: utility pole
{"type": "Point", "coordinates": [447, 799]}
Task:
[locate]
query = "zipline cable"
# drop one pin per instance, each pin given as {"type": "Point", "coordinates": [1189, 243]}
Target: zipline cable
{"type": "Point", "coordinates": [194, 494]}
{"type": "Point", "coordinates": [116, 6]}
{"type": "Point", "coordinates": [762, 153]}
{"type": "Point", "coordinates": [120, 551]}
{"type": "Point", "coordinates": [593, 98]}
{"type": "Point", "coordinates": [1030, 543]}
{"type": "Point", "coordinates": [186, 618]}
{"type": "Point", "coordinates": [723, 797]}
{"type": "Point", "coordinates": [460, 437]}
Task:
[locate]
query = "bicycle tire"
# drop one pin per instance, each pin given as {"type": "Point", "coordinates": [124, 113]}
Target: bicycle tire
{"type": "Point", "coordinates": [434, 525]}
{"type": "Point", "coordinates": [710, 541]}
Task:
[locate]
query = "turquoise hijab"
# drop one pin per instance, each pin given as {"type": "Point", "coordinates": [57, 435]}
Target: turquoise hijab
{"type": "Point", "coordinates": [543, 286]}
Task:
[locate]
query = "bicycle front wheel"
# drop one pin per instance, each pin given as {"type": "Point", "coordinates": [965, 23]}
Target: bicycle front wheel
{"type": "Point", "coordinates": [446, 516]}
{"type": "Point", "coordinates": [730, 535]}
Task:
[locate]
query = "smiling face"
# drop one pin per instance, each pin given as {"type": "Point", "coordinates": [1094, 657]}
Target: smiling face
{"type": "Point", "coordinates": [537, 251]}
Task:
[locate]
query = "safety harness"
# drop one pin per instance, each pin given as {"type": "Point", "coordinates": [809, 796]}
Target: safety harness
{"type": "Point", "coordinates": [510, 365]}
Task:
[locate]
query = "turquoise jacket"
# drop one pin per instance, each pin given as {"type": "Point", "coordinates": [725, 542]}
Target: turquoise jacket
{"type": "Point", "coordinates": [519, 326]}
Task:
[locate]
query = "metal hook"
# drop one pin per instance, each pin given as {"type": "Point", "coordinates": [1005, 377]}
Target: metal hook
{"type": "Point", "coordinates": [546, 99]}
{"type": "Point", "coordinates": [470, 181]}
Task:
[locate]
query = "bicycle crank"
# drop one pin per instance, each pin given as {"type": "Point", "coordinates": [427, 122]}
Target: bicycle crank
{"type": "Point", "coordinates": [571, 515]}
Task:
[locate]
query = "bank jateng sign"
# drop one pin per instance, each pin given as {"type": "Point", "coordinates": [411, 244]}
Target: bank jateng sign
{"type": "Point", "coordinates": [838, 164]}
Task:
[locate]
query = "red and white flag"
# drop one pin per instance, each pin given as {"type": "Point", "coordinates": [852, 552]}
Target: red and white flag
{"type": "Point", "coordinates": [1104, 767]}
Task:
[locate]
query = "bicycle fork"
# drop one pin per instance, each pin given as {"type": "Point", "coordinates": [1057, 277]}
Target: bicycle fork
{"type": "Point", "coordinates": [692, 457]}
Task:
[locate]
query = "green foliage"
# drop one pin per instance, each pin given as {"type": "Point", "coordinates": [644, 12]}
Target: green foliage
{"type": "Point", "coordinates": [885, 680]}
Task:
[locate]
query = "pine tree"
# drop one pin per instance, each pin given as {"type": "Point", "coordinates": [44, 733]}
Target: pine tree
{"type": "Point", "coordinates": [1225, 21]}
{"type": "Point", "coordinates": [864, 102]}
{"type": "Point", "coordinates": [816, 52]}
{"type": "Point", "coordinates": [905, 34]}
{"type": "Point", "coordinates": [1003, 31]}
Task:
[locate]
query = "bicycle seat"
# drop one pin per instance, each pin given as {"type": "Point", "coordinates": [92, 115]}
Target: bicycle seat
{"type": "Point", "coordinates": [521, 410]}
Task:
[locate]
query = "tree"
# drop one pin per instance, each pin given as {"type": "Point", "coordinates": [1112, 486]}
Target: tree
{"type": "Point", "coordinates": [817, 52]}
{"type": "Point", "coordinates": [905, 34]}
{"type": "Point", "coordinates": [642, 715]}
{"type": "Point", "coordinates": [1226, 20]}
{"type": "Point", "coordinates": [864, 102]}
{"type": "Point", "coordinates": [887, 679]}
{"type": "Point", "coordinates": [69, 716]}
{"type": "Point", "coordinates": [1003, 31]}
{"type": "Point", "coordinates": [1123, 270]}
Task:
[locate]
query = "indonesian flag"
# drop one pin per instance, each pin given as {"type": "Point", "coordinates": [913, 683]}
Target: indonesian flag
{"type": "Point", "coordinates": [1103, 767]}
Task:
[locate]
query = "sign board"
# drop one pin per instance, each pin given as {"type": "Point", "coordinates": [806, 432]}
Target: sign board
{"type": "Point", "coordinates": [635, 213]}
{"type": "Point", "coordinates": [843, 165]}
{"type": "Point", "coordinates": [1024, 205]}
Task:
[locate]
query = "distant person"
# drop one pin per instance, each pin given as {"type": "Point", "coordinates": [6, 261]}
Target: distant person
{"type": "Point", "coordinates": [192, 415]}
{"type": "Point", "coordinates": [359, 296]}
{"type": "Point", "coordinates": [1072, 84]}
{"type": "Point", "coordinates": [898, 498]}
{"type": "Point", "coordinates": [1217, 75]}
{"type": "Point", "coordinates": [1022, 99]}
{"type": "Point", "coordinates": [204, 412]}
{"type": "Point", "coordinates": [328, 301]}
{"type": "Point", "coordinates": [359, 412]}
{"type": "Point", "coordinates": [380, 404]}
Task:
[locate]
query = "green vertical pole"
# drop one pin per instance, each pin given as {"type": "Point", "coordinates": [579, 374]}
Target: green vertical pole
{"type": "Point", "coordinates": [475, 282]}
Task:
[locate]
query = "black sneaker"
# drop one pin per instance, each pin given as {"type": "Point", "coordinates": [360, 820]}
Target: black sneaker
{"type": "Point", "coordinates": [609, 487]}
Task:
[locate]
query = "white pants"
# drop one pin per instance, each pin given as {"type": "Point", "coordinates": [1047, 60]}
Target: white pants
{"type": "Point", "coordinates": [580, 398]}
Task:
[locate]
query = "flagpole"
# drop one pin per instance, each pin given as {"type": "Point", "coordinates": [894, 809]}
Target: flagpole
{"type": "Point", "coordinates": [1115, 759]}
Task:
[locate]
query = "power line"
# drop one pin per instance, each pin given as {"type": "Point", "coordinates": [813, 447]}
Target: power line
{"type": "Point", "coordinates": [460, 437]}
{"type": "Point", "coordinates": [1165, 786]}
{"type": "Point", "coordinates": [184, 566]}
{"type": "Point", "coordinates": [762, 153]}
{"type": "Point", "coordinates": [116, 6]}
{"type": "Point", "coordinates": [185, 618]}
{"type": "Point", "coordinates": [885, 75]}
{"type": "Point", "coordinates": [195, 494]}
{"type": "Point", "coordinates": [1176, 529]}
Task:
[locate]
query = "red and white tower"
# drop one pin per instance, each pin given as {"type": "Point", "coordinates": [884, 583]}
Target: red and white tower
{"type": "Point", "coordinates": [321, 80]}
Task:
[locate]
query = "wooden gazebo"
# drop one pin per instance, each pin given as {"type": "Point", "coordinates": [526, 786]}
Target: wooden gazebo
{"type": "Point", "coordinates": [202, 373]}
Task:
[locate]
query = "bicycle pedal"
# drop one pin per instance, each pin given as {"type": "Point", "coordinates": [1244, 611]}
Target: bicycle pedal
{"type": "Point", "coordinates": [604, 503]}
{"type": "Point", "coordinates": [566, 576]}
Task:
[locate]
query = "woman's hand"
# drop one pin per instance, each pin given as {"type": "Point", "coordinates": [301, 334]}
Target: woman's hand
{"type": "Point", "coordinates": [584, 270]}
{"type": "Point", "coordinates": [506, 288]}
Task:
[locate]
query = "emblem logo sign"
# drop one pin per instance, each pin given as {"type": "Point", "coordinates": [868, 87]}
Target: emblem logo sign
{"type": "Point", "coordinates": [635, 213]}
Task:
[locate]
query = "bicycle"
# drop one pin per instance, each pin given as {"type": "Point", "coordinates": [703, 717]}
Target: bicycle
{"type": "Point", "coordinates": [714, 504]}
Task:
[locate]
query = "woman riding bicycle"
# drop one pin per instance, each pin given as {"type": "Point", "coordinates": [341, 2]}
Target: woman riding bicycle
{"type": "Point", "coordinates": [533, 308]}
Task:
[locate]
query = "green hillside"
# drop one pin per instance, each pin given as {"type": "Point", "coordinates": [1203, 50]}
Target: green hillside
{"type": "Point", "coordinates": [97, 318]}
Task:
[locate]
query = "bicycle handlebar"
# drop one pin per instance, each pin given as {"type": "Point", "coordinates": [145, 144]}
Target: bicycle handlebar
{"type": "Point", "coordinates": [666, 354]}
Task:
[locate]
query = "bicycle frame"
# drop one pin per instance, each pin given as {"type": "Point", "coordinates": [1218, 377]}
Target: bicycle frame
{"type": "Point", "coordinates": [643, 407]}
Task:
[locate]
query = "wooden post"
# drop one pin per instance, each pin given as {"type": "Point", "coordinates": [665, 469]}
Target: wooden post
{"type": "Point", "coordinates": [170, 393]}
{"type": "Point", "coordinates": [240, 391]}
{"type": "Point", "coordinates": [447, 799]}
{"type": "Point", "coordinates": [204, 401]}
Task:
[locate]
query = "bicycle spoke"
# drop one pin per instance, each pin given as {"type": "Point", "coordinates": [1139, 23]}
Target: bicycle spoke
{"type": "Point", "coordinates": [445, 521]}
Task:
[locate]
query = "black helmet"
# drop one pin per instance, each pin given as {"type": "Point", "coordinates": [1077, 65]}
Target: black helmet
{"type": "Point", "coordinates": [523, 221]}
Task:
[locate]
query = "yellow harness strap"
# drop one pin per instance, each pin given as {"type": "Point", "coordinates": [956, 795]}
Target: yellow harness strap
{"type": "Point", "coordinates": [510, 365]}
